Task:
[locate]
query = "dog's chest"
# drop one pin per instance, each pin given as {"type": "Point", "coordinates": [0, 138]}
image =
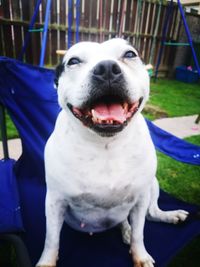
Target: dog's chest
{"type": "Point", "coordinates": [103, 171]}
{"type": "Point", "coordinates": [100, 183]}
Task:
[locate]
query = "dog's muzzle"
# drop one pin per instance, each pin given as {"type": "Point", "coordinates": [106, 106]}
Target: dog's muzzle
{"type": "Point", "coordinates": [109, 108]}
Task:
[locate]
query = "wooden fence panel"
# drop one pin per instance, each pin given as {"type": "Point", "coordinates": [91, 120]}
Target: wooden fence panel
{"type": "Point", "coordinates": [100, 20]}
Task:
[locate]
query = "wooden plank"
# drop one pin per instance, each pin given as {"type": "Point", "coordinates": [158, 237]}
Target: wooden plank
{"type": "Point", "coordinates": [15, 6]}
{"type": "Point", "coordinates": [127, 16]}
{"type": "Point", "coordinates": [134, 21]}
{"type": "Point", "coordinates": [7, 30]}
{"type": "Point", "coordinates": [131, 17]}
{"type": "Point", "coordinates": [43, 9]}
{"type": "Point", "coordinates": [26, 16]}
{"type": "Point", "coordinates": [2, 43]}
{"type": "Point", "coordinates": [190, 2]}
{"type": "Point", "coordinates": [28, 53]}
{"type": "Point", "coordinates": [62, 40]}
{"type": "Point", "coordinates": [87, 13]}
{"type": "Point", "coordinates": [114, 21]}
{"type": "Point", "coordinates": [53, 11]}
{"type": "Point", "coordinates": [118, 17]}
{"type": "Point", "coordinates": [148, 49]}
{"type": "Point", "coordinates": [175, 24]}
{"type": "Point", "coordinates": [178, 26]}
{"type": "Point", "coordinates": [89, 20]}
{"type": "Point", "coordinates": [107, 17]}
{"type": "Point", "coordinates": [63, 9]}
{"type": "Point", "coordinates": [140, 48]}
{"type": "Point", "coordinates": [25, 10]}
{"type": "Point", "coordinates": [93, 15]}
{"type": "Point", "coordinates": [6, 9]}
{"type": "Point", "coordinates": [82, 19]}
{"type": "Point", "coordinates": [162, 19]}
{"type": "Point", "coordinates": [18, 40]}
{"type": "Point", "coordinates": [1, 10]}
{"type": "Point", "coordinates": [36, 47]}
{"type": "Point", "coordinates": [150, 25]}
{"type": "Point", "coordinates": [7, 35]}
{"type": "Point", "coordinates": [47, 58]}
{"type": "Point", "coordinates": [111, 18]}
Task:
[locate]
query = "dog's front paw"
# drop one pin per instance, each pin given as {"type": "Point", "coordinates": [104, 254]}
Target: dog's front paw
{"type": "Point", "coordinates": [45, 264]}
{"type": "Point", "coordinates": [141, 257]}
{"type": "Point", "coordinates": [177, 216]}
{"type": "Point", "coordinates": [146, 261]}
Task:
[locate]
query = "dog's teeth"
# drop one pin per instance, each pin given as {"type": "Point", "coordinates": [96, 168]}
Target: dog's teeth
{"type": "Point", "coordinates": [111, 121]}
{"type": "Point", "coordinates": [125, 106]}
{"type": "Point", "coordinates": [94, 118]}
{"type": "Point", "coordinates": [93, 113]}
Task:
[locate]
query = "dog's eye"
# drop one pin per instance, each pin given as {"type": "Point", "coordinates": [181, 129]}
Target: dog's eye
{"type": "Point", "coordinates": [130, 54]}
{"type": "Point", "coordinates": [74, 61]}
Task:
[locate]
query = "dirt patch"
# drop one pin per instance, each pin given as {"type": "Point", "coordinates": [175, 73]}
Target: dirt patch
{"type": "Point", "coordinates": [155, 111]}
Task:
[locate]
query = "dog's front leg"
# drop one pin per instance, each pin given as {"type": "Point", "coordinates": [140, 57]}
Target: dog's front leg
{"type": "Point", "coordinates": [140, 256]}
{"type": "Point", "coordinates": [55, 213]}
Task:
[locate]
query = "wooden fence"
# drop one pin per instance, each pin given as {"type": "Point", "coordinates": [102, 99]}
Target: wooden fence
{"type": "Point", "coordinates": [139, 21]}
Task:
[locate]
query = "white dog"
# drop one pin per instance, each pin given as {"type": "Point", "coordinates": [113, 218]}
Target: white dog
{"type": "Point", "coordinates": [100, 161]}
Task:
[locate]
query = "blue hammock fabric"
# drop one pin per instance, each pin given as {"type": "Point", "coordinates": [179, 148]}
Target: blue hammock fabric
{"type": "Point", "coordinates": [173, 146]}
{"type": "Point", "coordinates": [10, 211]}
{"type": "Point", "coordinates": [28, 94]}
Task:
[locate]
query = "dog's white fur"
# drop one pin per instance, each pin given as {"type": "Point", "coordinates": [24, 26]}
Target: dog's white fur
{"type": "Point", "coordinates": [116, 171]}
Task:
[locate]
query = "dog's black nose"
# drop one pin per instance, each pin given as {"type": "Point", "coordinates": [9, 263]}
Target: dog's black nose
{"type": "Point", "coordinates": [107, 70]}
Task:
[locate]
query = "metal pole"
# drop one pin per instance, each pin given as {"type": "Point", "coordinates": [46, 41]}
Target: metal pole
{"type": "Point", "coordinates": [27, 37]}
{"type": "Point", "coordinates": [44, 37]}
{"type": "Point", "coordinates": [189, 37]}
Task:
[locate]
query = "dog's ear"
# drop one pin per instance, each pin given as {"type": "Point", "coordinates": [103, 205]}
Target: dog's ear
{"type": "Point", "coordinates": [58, 71]}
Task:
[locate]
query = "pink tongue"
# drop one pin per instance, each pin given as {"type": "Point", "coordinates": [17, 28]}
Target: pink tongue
{"type": "Point", "coordinates": [113, 112]}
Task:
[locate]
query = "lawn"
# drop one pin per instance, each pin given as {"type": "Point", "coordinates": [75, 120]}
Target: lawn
{"type": "Point", "coordinates": [171, 98]}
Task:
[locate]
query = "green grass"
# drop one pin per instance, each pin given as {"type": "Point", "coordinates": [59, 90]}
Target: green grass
{"type": "Point", "coordinates": [175, 98]}
{"type": "Point", "coordinates": [11, 129]}
{"type": "Point", "coordinates": [180, 179]}
{"type": "Point", "coordinates": [194, 139]}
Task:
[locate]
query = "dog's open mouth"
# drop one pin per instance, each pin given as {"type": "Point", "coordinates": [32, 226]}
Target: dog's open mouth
{"type": "Point", "coordinates": [106, 115]}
